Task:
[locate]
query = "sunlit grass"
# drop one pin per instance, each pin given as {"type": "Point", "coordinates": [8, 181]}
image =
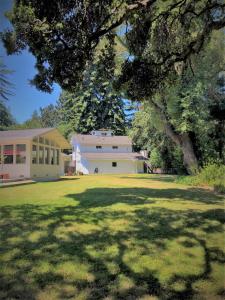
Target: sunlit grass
{"type": "Point", "coordinates": [111, 237]}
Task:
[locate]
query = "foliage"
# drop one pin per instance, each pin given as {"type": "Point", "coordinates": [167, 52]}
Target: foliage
{"type": "Point", "coordinates": [190, 108]}
{"type": "Point", "coordinates": [49, 116]}
{"type": "Point", "coordinates": [155, 159]}
{"type": "Point", "coordinates": [94, 104]}
{"type": "Point", "coordinates": [212, 175]}
{"type": "Point", "coordinates": [121, 237]}
{"type": "Point", "coordinates": [6, 119]}
{"type": "Point", "coordinates": [64, 35]}
{"type": "Point", "coordinates": [5, 85]}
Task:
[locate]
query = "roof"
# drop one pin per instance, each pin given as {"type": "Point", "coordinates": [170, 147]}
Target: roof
{"type": "Point", "coordinates": [114, 156]}
{"type": "Point", "coordinates": [31, 133]}
{"type": "Point", "coordinates": [102, 140]}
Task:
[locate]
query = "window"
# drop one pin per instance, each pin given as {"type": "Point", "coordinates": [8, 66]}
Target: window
{"type": "Point", "coordinates": [114, 164]}
{"type": "Point", "coordinates": [47, 142]}
{"type": "Point", "coordinates": [41, 155]}
{"type": "Point", "coordinates": [115, 147]}
{"type": "Point", "coordinates": [20, 153]}
{"type": "Point", "coordinates": [41, 140]}
{"type": "Point", "coordinates": [98, 147]}
{"type": "Point", "coordinates": [34, 154]}
{"type": "Point", "coordinates": [47, 156]}
{"type": "Point", "coordinates": [52, 154]}
{"type": "Point", "coordinates": [104, 134]}
{"type": "Point", "coordinates": [8, 154]}
{"type": "Point", "coordinates": [57, 157]}
{"type": "Point", "coordinates": [35, 139]}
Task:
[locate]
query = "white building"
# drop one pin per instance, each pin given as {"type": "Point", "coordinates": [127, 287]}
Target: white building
{"type": "Point", "coordinates": [31, 153]}
{"type": "Point", "coordinates": [102, 152]}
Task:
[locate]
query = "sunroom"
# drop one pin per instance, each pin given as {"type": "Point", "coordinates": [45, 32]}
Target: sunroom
{"type": "Point", "coordinates": [31, 153]}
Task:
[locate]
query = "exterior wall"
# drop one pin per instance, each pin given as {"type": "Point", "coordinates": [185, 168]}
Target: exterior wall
{"type": "Point", "coordinates": [15, 170]}
{"type": "Point", "coordinates": [45, 171]}
{"type": "Point", "coordinates": [105, 167]}
{"type": "Point", "coordinates": [106, 148]}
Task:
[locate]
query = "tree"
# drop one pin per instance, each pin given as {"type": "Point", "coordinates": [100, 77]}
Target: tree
{"type": "Point", "coordinates": [49, 116]}
{"type": "Point", "coordinates": [5, 85]}
{"type": "Point", "coordinates": [6, 119]}
{"type": "Point", "coordinates": [161, 36]}
{"type": "Point", "coordinates": [64, 35]}
{"type": "Point", "coordinates": [95, 104]}
{"type": "Point", "coordinates": [190, 111]}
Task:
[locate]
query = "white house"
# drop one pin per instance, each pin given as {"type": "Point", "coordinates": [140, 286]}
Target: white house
{"type": "Point", "coordinates": [102, 152]}
{"type": "Point", "coordinates": [31, 153]}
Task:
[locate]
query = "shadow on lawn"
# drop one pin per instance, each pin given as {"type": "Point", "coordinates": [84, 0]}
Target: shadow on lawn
{"type": "Point", "coordinates": [94, 250]}
{"type": "Point", "coordinates": [152, 177]}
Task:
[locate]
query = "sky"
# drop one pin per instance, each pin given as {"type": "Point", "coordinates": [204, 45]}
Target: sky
{"type": "Point", "coordinates": [26, 98]}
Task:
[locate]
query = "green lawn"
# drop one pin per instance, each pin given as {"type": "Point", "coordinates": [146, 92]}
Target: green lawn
{"type": "Point", "coordinates": [111, 237]}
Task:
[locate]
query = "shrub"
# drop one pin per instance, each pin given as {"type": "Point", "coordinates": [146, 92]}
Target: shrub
{"type": "Point", "coordinates": [211, 175]}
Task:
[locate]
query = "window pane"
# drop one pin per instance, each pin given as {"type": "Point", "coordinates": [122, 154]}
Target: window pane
{"type": "Point", "coordinates": [20, 153]}
{"type": "Point", "coordinates": [8, 154]}
{"type": "Point", "coordinates": [52, 156]}
{"type": "Point", "coordinates": [34, 154]}
{"type": "Point", "coordinates": [98, 147]}
{"type": "Point", "coordinates": [115, 147]}
{"type": "Point", "coordinates": [114, 164]}
{"type": "Point", "coordinates": [41, 155]}
{"type": "Point", "coordinates": [47, 142]}
{"type": "Point", "coordinates": [35, 139]}
{"type": "Point", "coordinates": [46, 156]}
{"type": "Point", "coordinates": [41, 140]}
{"type": "Point", "coordinates": [57, 157]}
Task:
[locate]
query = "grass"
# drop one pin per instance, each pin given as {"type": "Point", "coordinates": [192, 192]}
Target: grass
{"type": "Point", "coordinates": [111, 237]}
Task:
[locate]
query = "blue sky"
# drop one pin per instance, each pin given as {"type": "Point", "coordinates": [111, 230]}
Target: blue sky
{"type": "Point", "coordinates": [26, 97]}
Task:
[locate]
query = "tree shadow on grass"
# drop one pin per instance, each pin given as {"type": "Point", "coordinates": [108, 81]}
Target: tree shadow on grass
{"type": "Point", "coordinates": [160, 178]}
{"type": "Point", "coordinates": [97, 250]}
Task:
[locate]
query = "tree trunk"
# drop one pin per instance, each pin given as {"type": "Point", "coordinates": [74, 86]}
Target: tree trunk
{"type": "Point", "coordinates": [189, 157]}
{"type": "Point", "coordinates": [182, 140]}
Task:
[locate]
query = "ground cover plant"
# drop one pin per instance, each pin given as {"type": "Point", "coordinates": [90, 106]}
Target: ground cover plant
{"type": "Point", "coordinates": [111, 237]}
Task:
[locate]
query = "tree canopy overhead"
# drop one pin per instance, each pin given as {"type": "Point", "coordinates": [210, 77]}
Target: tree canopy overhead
{"type": "Point", "coordinates": [64, 35]}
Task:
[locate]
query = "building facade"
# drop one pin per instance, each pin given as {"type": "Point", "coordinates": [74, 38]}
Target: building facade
{"type": "Point", "coordinates": [102, 152]}
{"type": "Point", "coordinates": [31, 153]}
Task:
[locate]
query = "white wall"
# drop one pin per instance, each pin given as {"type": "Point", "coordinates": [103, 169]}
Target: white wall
{"type": "Point", "coordinates": [105, 166]}
{"type": "Point", "coordinates": [106, 148]}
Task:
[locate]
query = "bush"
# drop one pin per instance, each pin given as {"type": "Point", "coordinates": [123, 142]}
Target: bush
{"type": "Point", "coordinates": [212, 175]}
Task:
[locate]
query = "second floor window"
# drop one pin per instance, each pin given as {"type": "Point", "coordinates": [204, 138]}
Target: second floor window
{"type": "Point", "coordinates": [98, 147]}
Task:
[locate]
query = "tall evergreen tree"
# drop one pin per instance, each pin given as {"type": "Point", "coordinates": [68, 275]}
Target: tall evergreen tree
{"type": "Point", "coordinates": [95, 104]}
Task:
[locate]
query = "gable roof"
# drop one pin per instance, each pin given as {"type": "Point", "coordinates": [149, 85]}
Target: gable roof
{"type": "Point", "coordinates": [31, 133]}
{"type": "Point", "coordinates": [87, 139]}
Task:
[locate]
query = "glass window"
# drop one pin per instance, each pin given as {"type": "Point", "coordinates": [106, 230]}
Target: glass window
{"type": "Point", "coordinates": [115, 147]}
{"type": "Point", "coordinates": [34, 154]}
{"type": "Point", "coordinates": [52, 154]}
{"type": "Point", "coordinates": [98, 147]}
{"type": "Point", "coordinates": [1, 155]}
{"type": "Point", "coordinates": [41, 140]}
{"type": "Point", "coordinates": [35, 139]}
{"type": "Point", "coordinates": [47, 155]}
{"type": "Point", "coordinates": [41, 155]}
{"type": "Point", "coordinates": [57, 157]}
{"type": "Point", "coordinates": [47, 142]}
{"type": "Point", "coordinates": [8, 154]}
{"type": "Point", "coordinates": [52, 143]}
{"type": "Point", "coordinates": [20, 153]}
{"type": "Point", "coordinates": [114, 164]}
{"type": "Point", "coordinates": [104, 133]}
